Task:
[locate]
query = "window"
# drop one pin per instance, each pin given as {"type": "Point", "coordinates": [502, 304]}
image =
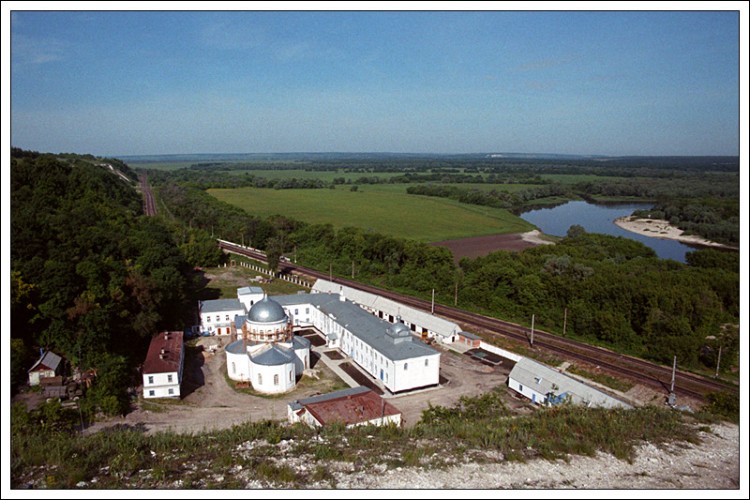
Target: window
{"type": "Point", "coordinates": [171, 391]}
{"type": "Point", "coordinates": [169, 377]}
{"type": "Point", "coordinates": [150, 379]}
{"type": "Point", "coordinates": [427, 362]}
{"type": "Point", "coordinates": [218, 318]}
{"type": "Point", "coordinates": [227, 318]}
{"type": "Point", "coordinates": [296, 312]}
{"type": "Point", "coordinates": [276, 379]}
{"type": "Point", "coordinates": [406, 366]}
{"type": "Point", "coordinates": [260, 379]}
{"type": "Point", "coordinates": [291, 376]}
{"type": "Point", "coordinates": [151, 393]}
{"type": "Point", "coordinates": [234, 368]}
{"type": "Point", "coordinates": [307, 310]}
{"type": "Point", "coordinates": [520, 388]}
{"type": "Point", "coordinates": [208, 319]}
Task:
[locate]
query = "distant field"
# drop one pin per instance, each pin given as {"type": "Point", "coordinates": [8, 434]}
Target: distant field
{"type": "Point", "coordinates": [381, 208]}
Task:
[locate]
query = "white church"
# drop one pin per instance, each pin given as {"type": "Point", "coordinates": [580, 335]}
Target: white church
{"type": "Point", "coordinates": [268, 355]}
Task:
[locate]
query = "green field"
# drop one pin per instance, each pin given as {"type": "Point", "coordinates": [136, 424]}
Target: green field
{"type": "Point", "coordinates": [381, 208]}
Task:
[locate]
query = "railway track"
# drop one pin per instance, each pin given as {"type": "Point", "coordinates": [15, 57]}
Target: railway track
{"type": "Point", "coordinates": [149, 204]}
{"type": "Point", "coordinates": [641, 371]}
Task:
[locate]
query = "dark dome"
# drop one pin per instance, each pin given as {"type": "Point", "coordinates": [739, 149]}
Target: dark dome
{"type": "Point", "coordinates": [266, 311]}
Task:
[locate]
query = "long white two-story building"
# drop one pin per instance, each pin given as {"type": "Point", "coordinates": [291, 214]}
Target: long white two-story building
{"type": "Point", "coordinates": [387, 351]}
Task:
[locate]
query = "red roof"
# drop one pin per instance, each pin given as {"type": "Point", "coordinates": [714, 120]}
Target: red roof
{"type": "Point", "coordinates": [164, 353]}
{"type": "Point", "coordinates": [351, 409]}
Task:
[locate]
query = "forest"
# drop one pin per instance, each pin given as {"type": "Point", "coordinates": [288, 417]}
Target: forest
{"type": "Point", "coordinates": [92, 279]}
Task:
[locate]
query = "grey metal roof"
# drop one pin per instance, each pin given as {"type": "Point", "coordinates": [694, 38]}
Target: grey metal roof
{"type": "Point", "coordinates": [249, 290]}
{"type": "Point", "coordinates": [266, 310]}
{"type": "Point", "coordinates": [544, 380]}
{"type": "Point", "coordinates": [470, 336]}
{"type": "Point", "coordinates": [236, 347]}
{"type": "Point", "coordinates": [239, 320]}
{"type": "Point", "coordinates": [351, 391]}
{"type": "Point", "coordinates": [274, 355]}
{"type": "Point", "coordinates": [435, 324]}
{"type": "Point", "coordinates": [300, 342]}
{"type": "Point", "coordinates": [221, 305]}
{"type": "Point", "coordinates": [48, 359]}
{"type": "Point", "coordinates": [363, 325]}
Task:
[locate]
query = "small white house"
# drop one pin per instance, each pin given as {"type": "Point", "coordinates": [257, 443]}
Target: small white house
{"type": "Point", "coordinates": [217, 316]}
{"type": "Point", "coordinates": [48, 365]}
{"type": "Point", "coordinates": [352, 407]}
{"type": "Point", "coordinates": [162, 370]}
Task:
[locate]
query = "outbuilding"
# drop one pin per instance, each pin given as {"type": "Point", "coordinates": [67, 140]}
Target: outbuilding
{"type": "Point", "coordinates": [48, 365]}
{"type": "Point", "coordinates": [351, 407]}
{"type": "Point", "coordinates": [162, 370]}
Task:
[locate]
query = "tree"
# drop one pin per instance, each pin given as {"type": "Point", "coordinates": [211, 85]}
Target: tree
{"type": "Point", "coordinates": [274, 251]}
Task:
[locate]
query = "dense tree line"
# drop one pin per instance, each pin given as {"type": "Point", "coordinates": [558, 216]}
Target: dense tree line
{"type": "Point", "coordinates": [491, 198]}
{"type": "Point", "coordinates": [616, 291]}
{"type": "Point", "coordinates": [715, 218]}
{"type": "Point", "coordinates": [92, 278]}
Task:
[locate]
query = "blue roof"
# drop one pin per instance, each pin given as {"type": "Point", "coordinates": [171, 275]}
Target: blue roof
{"type": "Point", "coordinates": [266, 311]}
{"type": "Point", "coordinates": [273, 356]}
{"type": "Point", "coordinates": [368, 328]}
{"type": "Point", "coordinates": [236, 347]}
{"type": "Point", "coordinates": [221, 305]}
{"type": "Point", "coordinates": [300, 342]}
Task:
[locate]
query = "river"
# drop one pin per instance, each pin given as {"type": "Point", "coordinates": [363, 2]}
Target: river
{"type": "Point", "coordinates": [600, 219]}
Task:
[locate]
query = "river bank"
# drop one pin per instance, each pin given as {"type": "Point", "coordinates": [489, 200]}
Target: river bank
{"type": "Point", "coordinates": [660, 228]}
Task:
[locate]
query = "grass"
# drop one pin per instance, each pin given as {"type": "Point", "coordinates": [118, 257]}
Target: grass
{"type": "Point", "coordinates": [281, 455]}
{"type": "Point", "coordinates": [378, 208]}
{"type": "Point", "coordinates": [602, 378]}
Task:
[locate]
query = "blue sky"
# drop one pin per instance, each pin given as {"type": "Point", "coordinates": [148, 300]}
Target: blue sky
{"type": "Point", "coordinates": [613, 83]}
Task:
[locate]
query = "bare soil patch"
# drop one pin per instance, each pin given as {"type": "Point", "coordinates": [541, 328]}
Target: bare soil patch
{"type": "Point", "coordinates": [479, 246]}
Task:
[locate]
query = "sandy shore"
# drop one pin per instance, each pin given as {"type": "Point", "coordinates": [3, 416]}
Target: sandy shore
{"type": "Point", "coordinates": [535, 238]}
{"type": "Point", "coordinates": [659, 228]}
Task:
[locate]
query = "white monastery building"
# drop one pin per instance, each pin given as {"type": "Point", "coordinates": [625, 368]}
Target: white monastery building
{"type": "Point", "coordinates": [269, 356]}
{"type": "Point", "coordinates": [162, 370]}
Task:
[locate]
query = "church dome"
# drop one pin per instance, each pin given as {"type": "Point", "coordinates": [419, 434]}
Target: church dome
{"type": "Point", "coordinates": [266, 311]}
{"type": "Point", "coordinates": [398, 330]}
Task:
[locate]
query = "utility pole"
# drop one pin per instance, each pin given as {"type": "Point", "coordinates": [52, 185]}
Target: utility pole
{"type": "Point", "coordinates": [672, 396]}
{"type": "Point", "coordinates": [243, 240]}
{"type": "Point", "coordinates": [455, 296]}
{"type": "Point", "coordinates": [352, 269]}
{"type": "Point", "coordinates": [532, 330]}
{"type": "Point", "coordinates": [718, 360]}
{"type": "Point", "coordinates": [565, 320]}
{"type": "Point", "coordinates": [295, 254]}
{"type": "Point", "coordinates": [432, 308]}
{"type": "Point", "coordinates": [330, 272]}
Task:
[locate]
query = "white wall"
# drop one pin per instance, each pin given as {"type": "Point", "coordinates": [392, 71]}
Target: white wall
{"type": "Point", "coordinates": [267, 373]}
{"type": "Point", "coordinates": [160, 384]}
{"type": "Point", "coordinates": [419, 372]}
{"type": "Point", "coordinates": [500, 352]}
{"type": "Point", "coordinates": [238, 366]}
{"type": "Point", "coordinates": [529, 392]}
{"type": "Point", "coordinates": [211, 321]}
